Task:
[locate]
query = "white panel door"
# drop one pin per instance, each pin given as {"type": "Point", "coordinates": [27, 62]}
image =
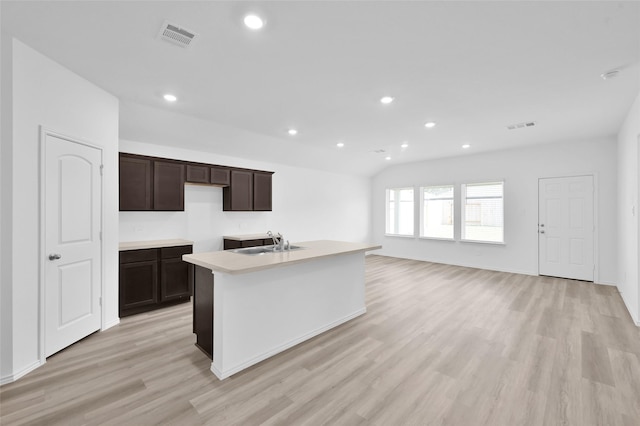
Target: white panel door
{"type": "Point", "coordinates": [566, 227]}
{"type": "Point", "coordinates": [72, 276]}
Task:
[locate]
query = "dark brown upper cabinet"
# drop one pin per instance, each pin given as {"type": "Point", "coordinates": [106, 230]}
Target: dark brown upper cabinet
{"type": "Point", "coordinates": [238, 196]}
{"type": "Point", "coordinates": [261, 191]}
{"type": "Point", "coordinates": [220, 176]}
{"type": "Point", "coordinates": [136, 183]}
{"type": "Point", "coordinates": [168, 186]}
{"type": "Point", "coordinates": [151, 183]}
{"type": "Point", "coordinates": [197, 174]}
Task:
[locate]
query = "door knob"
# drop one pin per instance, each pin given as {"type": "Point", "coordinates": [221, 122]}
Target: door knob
{"type": "Point", "coordinates": [542, 225]}
{"type": "Point", "coordinates": [542, 232]}
{"type": "Point", "coordinates": [54, 256]}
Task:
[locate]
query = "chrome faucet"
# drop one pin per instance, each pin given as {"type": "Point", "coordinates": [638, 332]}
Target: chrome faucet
{"type": "Point", "coordinates": [278, 241]}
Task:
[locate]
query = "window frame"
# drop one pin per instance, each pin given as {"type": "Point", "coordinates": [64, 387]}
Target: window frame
{"type": "Point", "coordinates": [396, 216]}
{"type": "Point", "coordinates": [463, 204]}
{"type": "Point", "coordinates": [453, 212]}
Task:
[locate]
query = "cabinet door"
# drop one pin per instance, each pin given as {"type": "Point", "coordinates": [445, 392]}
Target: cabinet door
{"type": "Point", "coordinates": [220, 176]}
{"type": "Point", "coordinates": [197, 174]}
{"type": "Point", "coordinates": [136, 183]}
{"type": "Point", "coordinates": [175, 279]}
{"type": "Point", "coordinates": [138, 285]}
{"type": "Point", "coordinates": [238, 196]}
{"type": "Point", "coordinates": [168, 186]}
{"type": "Point", "coordinates": [261, 191]}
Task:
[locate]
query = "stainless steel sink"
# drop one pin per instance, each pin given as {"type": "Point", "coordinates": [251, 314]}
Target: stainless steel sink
{"type": "Point", "coordinates": [263, 250]}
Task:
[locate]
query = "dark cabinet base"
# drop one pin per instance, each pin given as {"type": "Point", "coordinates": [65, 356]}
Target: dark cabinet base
{"type": "Point", "coordinates": [203, 309]}
{"type": "Point", "coordinates": [154, 278]}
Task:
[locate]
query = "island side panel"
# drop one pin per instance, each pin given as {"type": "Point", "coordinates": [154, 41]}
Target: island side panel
{"type": "Point", "coordinates": [203, 309]}
{"type": "Point", "coordinates": [262, 313]}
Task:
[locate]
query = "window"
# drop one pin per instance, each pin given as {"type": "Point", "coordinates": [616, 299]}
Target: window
{"type": "Point", "coordinates": [436, 219]}
{"type": "Point", "coordinates": [400, 211]}
{"type": "Point", "coordinates": [483, 214]}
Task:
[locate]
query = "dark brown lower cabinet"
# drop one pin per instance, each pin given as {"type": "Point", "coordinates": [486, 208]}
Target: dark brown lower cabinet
{"type": "Point", "coordinates": [203, 309]}
{"type": "Point", "coordinates": [153, 278]}
{"type": "Point", "coordinates": [138, 286]}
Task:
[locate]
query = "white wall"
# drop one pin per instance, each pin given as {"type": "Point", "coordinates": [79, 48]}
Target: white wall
{"type": "Point", "coordinates": [628, 216]}
{"type": "Point", "coordinates": [6, 167]}
{"type": "Point", "coordinates": [307, 205]}
{"type": "Point", "coordinates": [520, 169]}
{"type": "Point", "coordinates": [46, 94]}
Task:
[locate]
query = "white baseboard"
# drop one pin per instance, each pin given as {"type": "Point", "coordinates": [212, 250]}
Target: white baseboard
{"type": "Point", "coordinates": [233, 370]}
{"type": "Point", "coordinates": [110, 324]}
{"type": "Point", "coordinates": [13, 377]}
{"type": "Point", "coordinates": [634, 317]}
{"type": "Point", "coordinates": [606, 283]}
{"type": "Point", "coordinates": [507, 270]}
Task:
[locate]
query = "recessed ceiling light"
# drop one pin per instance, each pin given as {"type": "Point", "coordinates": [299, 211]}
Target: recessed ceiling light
{"type": "Point", "coordinates": [466, 146]}
{"type": "Point", "coordinates": [340, 144]}
{"type": "Point", "coordinates": [170, 98]}
{"type": "Point", "coordinates": [386, 99]}
{"type": "Point", "coordinates": [292, 132]}
{"type": "Point", "coordinates": [253, 22]}
{"type": "Point", "coordinates": [430, 124]}
{"type": "Point", "coordinates": [387, 158]}
{"type": "Point", "coordinates": [404, 145]}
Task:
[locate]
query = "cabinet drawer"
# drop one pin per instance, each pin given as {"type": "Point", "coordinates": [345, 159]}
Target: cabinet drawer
{"type": "Point", "coordinates": [178, 251]}
{"type": "Point", "coordinates": [232, 244]}
{"type": "Point", "coordinates": [252, 243]}
{"type": "Point", "coordinates": [129, 256]}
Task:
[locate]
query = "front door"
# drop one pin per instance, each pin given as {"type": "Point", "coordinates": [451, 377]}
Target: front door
{"type": "Point", "coordinates": [566, 227]}
{"type": "Point", "coordinates": [73, 270]}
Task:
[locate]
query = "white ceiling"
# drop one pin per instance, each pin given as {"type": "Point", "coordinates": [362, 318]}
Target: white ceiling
{"type": "Point", "coordinates": [321, 67]}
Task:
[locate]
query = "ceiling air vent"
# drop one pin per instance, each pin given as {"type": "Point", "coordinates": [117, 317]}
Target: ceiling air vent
{"type": "Point", "coordinates": [521, 125]}
{"type": "Point", "coordinates": [176, 35]}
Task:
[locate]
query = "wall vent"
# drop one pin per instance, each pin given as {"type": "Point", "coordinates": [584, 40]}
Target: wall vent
{"type": "Point", "coordinates": [176, 35]}
{"type": "Point", "coordinates": [521, 125]}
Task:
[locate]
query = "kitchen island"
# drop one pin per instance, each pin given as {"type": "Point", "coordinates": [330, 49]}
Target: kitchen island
{"type": "Point", "coordinates": [250, 307]}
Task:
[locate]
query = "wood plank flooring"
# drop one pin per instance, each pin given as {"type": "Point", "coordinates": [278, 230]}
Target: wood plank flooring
{"type": "Point", "coordinates": [439, 345]}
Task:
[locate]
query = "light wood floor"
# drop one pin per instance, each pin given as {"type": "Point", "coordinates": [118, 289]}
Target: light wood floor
{"type": "Point", "coordinates": [439, 345]}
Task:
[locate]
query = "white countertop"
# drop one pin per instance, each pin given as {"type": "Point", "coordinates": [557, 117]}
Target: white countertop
{"type": "Point", "coordinates": [246, 237]}
{"type": "Point", "coordinates": [137, 245]}
{"type": "Point", "coordinates": [236, 263]}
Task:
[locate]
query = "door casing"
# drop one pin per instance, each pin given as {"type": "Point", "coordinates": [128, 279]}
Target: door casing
{"type": "Point", "coordinates": [44, 132]}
